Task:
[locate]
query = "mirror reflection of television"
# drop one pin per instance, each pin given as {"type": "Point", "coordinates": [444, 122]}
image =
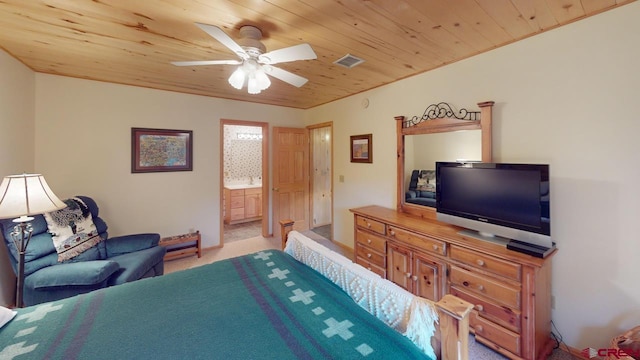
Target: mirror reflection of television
{"type": "Point", "coordinates": [496, 201]}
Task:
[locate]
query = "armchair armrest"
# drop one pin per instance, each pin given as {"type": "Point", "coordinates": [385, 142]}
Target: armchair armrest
{"type": "Point", "coordinates": [119, 245]}
{"type": "Point", "coordinates": [82, 273]}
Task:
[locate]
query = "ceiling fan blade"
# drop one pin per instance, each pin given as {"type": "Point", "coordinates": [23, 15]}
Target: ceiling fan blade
{"type": "Point", "coordinates": [223, 38]}
{"type": "Point", "coordinates": [291, 53]}
{"type": "Point", "coordinates": [207, 62]}
{"type": "Point", "coordinates": [285, 76]}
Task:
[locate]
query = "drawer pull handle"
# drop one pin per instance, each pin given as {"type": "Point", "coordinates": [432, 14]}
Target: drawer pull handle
{"type": "Point", "coordinates": [369, 255]}
{"type": "Point", "coordinates": [480, 308]}
{"type": "Point", "coordinates": [408, 275]}
{"type": "Point", "coordinates": [415, 278]}
{"type": "Point", "coordinates": [392, 233]}
{"type": "Point", "coordinates": [480, 262]}
{"type": "Point", "coordinates": [481, 287]}
{"type": "Point", "coordinates": [435, 247]}
{"type": "Point", "coordinates": [479, 328]}
{"type": "Point", "coordinates": [368, 241]}
{"type": "Point", "coordinates": [369, 268]}
{"type": "Point", "coordinates": [465, 283]}
{"type": "Point", "coordinates": [369, 225]}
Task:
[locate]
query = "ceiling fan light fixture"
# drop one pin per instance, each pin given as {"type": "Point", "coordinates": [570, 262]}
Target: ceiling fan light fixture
{"type": "Point", "coordinates": [237, 78]}
{"type": "Point", "coordinates": [262, 79]}
{"type": "Point", "coordinates": [255, 63]}
{"type": "Point", "coordinates": [252, 86]}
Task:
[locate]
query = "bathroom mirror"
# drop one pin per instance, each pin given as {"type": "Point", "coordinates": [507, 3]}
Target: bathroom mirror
{"type": "Point", "coordinates": [440, 134]}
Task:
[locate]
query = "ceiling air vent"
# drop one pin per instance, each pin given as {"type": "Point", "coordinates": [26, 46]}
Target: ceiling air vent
{"type": "Point", "coordinates": [349, 61]}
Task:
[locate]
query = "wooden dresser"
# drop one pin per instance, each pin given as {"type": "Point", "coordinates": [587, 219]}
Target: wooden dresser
{"type": "Point", "coordinates": [511, 291]}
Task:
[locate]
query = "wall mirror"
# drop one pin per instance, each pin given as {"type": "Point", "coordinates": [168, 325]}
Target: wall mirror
{"type": "Point", "coordinates": [440, 134]}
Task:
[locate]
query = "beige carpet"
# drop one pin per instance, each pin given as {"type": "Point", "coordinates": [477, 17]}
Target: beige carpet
{"type": "Point", "coordinates": [229, 250]}
{"type": "Point", "coordinates": [242, 247]}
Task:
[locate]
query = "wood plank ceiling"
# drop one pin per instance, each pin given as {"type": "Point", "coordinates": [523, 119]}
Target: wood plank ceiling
{"type": "Point", "coordinates": [133, 41]}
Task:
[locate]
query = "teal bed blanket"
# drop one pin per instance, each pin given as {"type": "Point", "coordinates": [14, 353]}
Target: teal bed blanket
{"type": "Point", "coordinates": [265, 305]}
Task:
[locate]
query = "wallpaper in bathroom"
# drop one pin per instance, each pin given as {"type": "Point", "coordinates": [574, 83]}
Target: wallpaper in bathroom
{"type": "Point", "coordinates": [242, 158]}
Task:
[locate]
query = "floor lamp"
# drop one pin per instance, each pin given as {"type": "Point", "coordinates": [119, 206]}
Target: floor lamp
{"type": "Point", "coordinates": [22, 196]}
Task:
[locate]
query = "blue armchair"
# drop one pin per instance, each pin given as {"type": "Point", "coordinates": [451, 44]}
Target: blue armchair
{"type": "Point", "coordinates": [113, 261]}
{"type": "Point", "coordinates": [421, 196]}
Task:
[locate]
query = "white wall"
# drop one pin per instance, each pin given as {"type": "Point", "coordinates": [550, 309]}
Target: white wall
{"type": "Point", "coordinates": [567, 97]}
{"type": "Point", "coordinates": [17, 89]}
{"type": "Point", "coordinates": [83, 145]}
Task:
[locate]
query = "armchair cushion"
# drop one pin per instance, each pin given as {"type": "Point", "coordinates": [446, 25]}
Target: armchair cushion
{"type": "Point", "coordinates": [72, 274]}
{"type": "Point", "coordinates": [119, 245]}
{"type": "Point", "coordinates": [136, 265]}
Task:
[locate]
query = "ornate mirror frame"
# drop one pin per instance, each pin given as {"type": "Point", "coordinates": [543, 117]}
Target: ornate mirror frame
{"type": "Point", "coordinates": [439, 118]}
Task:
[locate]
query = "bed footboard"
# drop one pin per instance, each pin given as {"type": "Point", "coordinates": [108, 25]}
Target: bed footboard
{"type": "Point", "coordinates": [452, 336]}
{"type": "Point", "coordinates": [285, 228]}
{"type": "Point", "coordinates": [453, 314]}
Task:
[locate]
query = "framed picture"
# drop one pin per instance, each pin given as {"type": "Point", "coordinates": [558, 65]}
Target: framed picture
{"type": "Point", "coordinates": [361, 149]}
{"type": "Point", "coordinates": [156, 150]}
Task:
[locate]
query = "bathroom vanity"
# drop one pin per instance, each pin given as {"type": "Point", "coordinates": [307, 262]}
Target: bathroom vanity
{"type": "Point", "coordinates": [242, 203]}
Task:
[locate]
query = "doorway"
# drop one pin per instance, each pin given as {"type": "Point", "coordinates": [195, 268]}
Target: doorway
{"type": "Point", "coordinates": [243, 180]}
{"type": "Point", "coordinates": [321, 153]}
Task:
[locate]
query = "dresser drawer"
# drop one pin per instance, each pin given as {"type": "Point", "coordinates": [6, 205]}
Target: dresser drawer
{"type": "Point", "coordinates": [372, 225]}
{"type": "Point", "coordinates": [425, 243]}
{"type": "Point", "coordinates": [253, 191]}
{"type": "Point", "coordinates": [375, 242]}
{"type": "Point", "coordinates": [501, 315]}
{"type": "Point", "coordinates": [494, 333]}
{"type": "Point", "coordinates": [486, 262]}
{"type": "Point", "coordinates": [485, 286]}
{"type": "Point", "coordinates": [371, 256]}
{"type": "Point", "coordinates": [237, 214]}
{"type": "Point", "coordinates": [237, 192]}
{"type": "Point", "coordinates": [367, 264]}
{"type": "Point", "coordinates": [237, 202]}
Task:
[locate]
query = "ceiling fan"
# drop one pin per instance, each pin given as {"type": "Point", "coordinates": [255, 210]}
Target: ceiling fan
{"type": "Point", "coordinates": [255, 63]}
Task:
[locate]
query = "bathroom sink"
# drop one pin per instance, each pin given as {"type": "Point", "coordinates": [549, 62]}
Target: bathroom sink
{"type": "Point", "coordinates": [243, 186]}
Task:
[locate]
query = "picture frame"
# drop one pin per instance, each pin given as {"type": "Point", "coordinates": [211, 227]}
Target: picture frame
{"type": "Point", "coordinates": [161, 150]}
{"type": "Point", "coordinates": [362, 148]}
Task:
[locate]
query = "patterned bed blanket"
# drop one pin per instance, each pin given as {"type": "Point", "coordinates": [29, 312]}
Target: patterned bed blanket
{"type": "Point", "coordinates": [265, 305]}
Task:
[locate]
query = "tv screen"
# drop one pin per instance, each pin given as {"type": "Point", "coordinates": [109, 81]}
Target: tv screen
{"type": "Point", "coordinates": [508, 200]}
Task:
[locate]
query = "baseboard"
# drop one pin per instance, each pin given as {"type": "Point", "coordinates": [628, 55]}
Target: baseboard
{"type": "Point", "coordinates": [573, 352]}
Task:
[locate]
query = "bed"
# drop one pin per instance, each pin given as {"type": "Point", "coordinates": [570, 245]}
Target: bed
{"type": "Point", "coordinates": [262, 305]}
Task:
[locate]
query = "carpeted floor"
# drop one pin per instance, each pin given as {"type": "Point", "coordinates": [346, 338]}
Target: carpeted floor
{"type": "Point", "coordinates": [477, 351]}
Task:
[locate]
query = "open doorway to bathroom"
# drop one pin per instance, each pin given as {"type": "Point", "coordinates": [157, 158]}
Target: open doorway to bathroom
{"type": "Point", "coordinates": [244, 180]}
{"type": "Point", "coordinates": [321, 153]}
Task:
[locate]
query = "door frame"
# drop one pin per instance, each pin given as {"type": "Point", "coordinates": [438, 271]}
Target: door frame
{"type": "Point", "coordinates": [265, 173]}
{"type": "Point", "coordinates": [328, 124]}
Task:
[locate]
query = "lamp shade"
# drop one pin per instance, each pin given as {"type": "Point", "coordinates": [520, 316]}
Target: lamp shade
{"type": "Point", "coordinates": [25, 195]}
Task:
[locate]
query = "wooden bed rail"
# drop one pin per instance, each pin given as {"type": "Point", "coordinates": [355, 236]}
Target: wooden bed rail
{"type": "Point", "coordinates": [453, 314]}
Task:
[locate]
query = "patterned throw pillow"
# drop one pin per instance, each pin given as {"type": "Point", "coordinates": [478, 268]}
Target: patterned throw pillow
{"type": "Point", "coordinates": [72, 229]}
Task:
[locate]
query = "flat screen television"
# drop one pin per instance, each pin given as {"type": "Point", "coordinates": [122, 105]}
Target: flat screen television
{"type": "Point", "coordinates": [496, 201]}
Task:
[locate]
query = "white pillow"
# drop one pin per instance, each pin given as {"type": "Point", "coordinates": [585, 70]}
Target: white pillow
{"type": "Point", "coordinates": [6, 315]}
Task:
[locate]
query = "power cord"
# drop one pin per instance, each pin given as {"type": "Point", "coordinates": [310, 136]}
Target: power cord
{"type": "Point", "coordinates": [555, 333]}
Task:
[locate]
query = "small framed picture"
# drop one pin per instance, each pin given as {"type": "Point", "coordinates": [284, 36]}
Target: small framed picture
{"type": "Point", "coordinates": [157, 150]}
{"type": "Point", "coordinates": [361, 148]}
